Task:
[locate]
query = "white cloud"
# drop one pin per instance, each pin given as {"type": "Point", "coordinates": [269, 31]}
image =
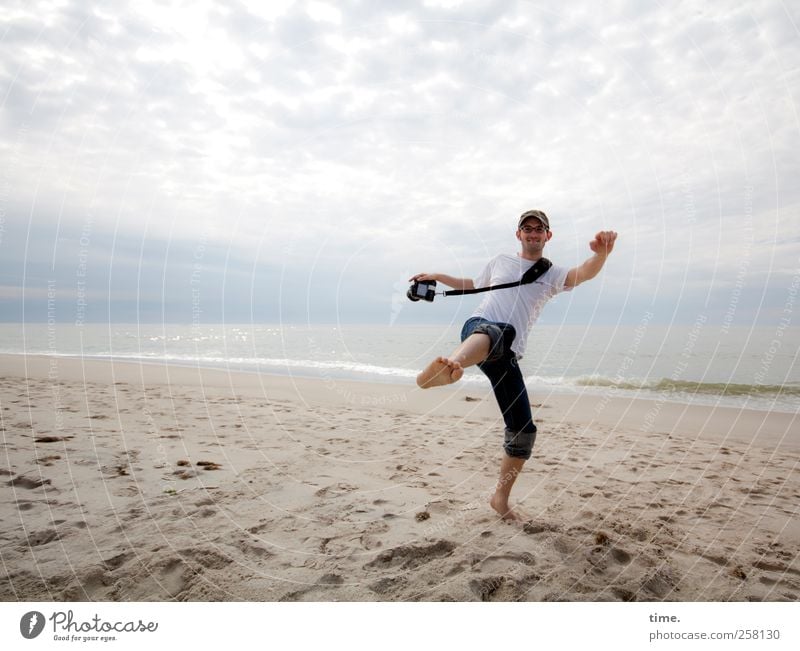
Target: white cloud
{"type": "Point", "coordinates": [325, 12]}
{"type": "Point", "coordinates": [275, 122]}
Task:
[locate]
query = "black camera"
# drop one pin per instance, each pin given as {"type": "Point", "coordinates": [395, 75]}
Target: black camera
{"type": "Point", "coordinates": [422, 290]}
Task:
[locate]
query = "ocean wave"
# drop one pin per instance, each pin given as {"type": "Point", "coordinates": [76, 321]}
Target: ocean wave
{"type": "Point", "coordinates": [348, 369]}
{"type": "Point", "coordinates": [317, 368]}
{"type": "Point", "coordinates": [666, 385]}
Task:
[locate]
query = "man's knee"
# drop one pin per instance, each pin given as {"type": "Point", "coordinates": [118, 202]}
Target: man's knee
{"type": "Point", "coordinates": [519, 444]}
{"type": "Point", "coordinates": [500, 339]}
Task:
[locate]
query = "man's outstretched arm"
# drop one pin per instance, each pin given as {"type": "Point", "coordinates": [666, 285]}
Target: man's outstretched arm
{"type": "Point", "coordinates": [602, 245]}
{"type": "Point", "coordinates": [450, 281]}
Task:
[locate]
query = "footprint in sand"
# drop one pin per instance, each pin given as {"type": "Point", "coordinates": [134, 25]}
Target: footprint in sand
{"type": "Point", "coordinates": [318, 592]}
{"type": "Point", "coordinates": [88, 585]}
{"type": "Point", "coordinates": [388, 585]}
{"type": "Point", "coordinates": [25, 482]}
{"type": "Point", "coordinates": [486, 587]}
{"type": "Point", "coordinates": [411, 556]}
{"type": "Point", "coordinates": [600, 556]}
{"type": "Point", "coordinates": [254, 551]}
{"type": "Point", "coordinates": [497, 563]}
{"type": "Point", "coordinates": [341, 488]}
{"type": "Point", "coordinates": [115, 562]}
{"type": "Point", "coordinates": [533, 527]}
{"type": "Point", "coordinates": [370, 537]}
{"type": "Point", "coordinates": [39, 538]}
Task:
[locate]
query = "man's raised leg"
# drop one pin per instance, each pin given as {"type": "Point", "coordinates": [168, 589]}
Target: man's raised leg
{"type": "Point", "coordinates": [446, 370]}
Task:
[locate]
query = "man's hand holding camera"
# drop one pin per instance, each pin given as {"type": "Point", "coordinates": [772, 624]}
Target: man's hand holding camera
{"type": "Point", "coordinates": [450, 281]}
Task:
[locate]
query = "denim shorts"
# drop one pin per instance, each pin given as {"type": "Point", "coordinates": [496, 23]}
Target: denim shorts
{"type": "Point", "coordinates": [502, 369]}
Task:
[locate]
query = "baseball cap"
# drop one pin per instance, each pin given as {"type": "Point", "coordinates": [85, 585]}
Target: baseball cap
{"type": "Point", "coordinates": [536, 214]}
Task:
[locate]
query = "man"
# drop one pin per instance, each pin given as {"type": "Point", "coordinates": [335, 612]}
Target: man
{"type": "Point", "coordinates": [495, 336]}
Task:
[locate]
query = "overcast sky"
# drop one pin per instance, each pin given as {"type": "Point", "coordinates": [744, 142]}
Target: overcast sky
{"type": "Point", "coordinates": [297, 161]}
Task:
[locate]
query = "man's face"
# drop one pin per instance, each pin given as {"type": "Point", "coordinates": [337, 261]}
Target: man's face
{"type": "Point", "coordinates": [533, 235]}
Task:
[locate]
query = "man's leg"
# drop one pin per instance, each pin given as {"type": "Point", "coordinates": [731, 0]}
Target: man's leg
{"type": "Point", "coordinates": [446, 370]}
{"type": "Point", "coordinates": [512, 398]}
{"type": "Point", "coordinates": [510, 467]}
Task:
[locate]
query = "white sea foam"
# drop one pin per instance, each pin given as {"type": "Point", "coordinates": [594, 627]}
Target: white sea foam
{"type": "Point", "coordinates": [595, 360]}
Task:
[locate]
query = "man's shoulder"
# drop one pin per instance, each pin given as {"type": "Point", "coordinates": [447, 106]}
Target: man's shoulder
{"type": "Point", "coordinates": [518, 261]}
{"type": "Point", "coordinates": [507, 258]}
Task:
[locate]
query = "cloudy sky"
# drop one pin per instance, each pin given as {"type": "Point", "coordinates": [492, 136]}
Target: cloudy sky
{"type": "Point", "coordinates": [297, 161]}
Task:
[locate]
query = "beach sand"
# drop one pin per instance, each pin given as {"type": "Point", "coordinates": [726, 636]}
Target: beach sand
{"type": "Point", "coordinates": [130, 482]}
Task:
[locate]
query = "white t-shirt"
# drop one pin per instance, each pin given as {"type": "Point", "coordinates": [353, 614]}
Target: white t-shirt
{"type": "Point", "coordinates": [518, 306]}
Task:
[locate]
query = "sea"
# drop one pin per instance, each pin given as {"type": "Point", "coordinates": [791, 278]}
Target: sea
{"type": "Point", "coordinates": [700, 363]}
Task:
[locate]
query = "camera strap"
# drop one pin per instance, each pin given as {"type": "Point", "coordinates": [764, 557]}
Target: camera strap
{"type": "Point", "coordinates": [531, 275]}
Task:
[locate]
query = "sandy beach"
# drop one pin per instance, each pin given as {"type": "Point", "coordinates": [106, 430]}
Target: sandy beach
{"type": "Point", "coordinates": [130, 482]}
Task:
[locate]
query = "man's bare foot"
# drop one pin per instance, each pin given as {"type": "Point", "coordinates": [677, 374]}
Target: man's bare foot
{"type": "Point", "coordinates": [439, 372]}
{"type": "Point", "coordinates": [506, 512]}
